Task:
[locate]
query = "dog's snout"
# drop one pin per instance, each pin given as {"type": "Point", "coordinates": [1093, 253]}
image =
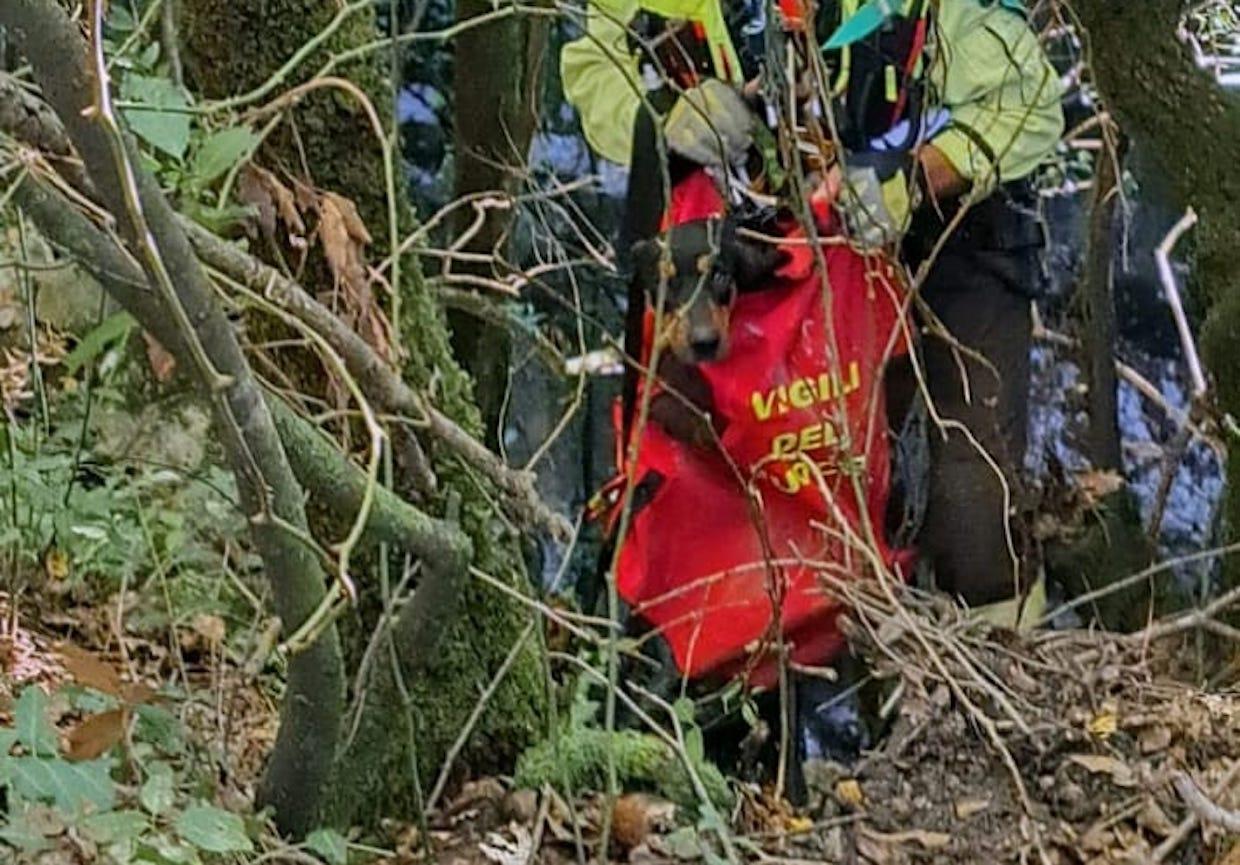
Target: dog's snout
{"type": "Point", "coordinates": [706, 346]}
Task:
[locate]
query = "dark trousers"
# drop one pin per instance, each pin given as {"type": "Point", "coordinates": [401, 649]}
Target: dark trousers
{"type": "Point", "coordinates": [975, 356]}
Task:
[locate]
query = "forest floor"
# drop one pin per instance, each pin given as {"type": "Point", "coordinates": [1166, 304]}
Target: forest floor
{"type": "Point", "coordinates": [1063, 747]}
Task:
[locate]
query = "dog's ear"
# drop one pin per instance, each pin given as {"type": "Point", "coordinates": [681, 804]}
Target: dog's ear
{"type": "Point", "coordinates": [644, 257]}
{"type": "Point", "coordinates": [752, 262]}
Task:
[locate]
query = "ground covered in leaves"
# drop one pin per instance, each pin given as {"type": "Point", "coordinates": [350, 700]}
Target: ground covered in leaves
{"type": "Point", "coordinates": [1060, 747]}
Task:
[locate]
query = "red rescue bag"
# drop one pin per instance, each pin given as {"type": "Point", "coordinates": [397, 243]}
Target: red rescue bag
{"type": "Point", "coordinates": [713, 567]}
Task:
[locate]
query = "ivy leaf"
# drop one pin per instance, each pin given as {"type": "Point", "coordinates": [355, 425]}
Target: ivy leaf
{"type": "Point", "coordinates": [214, 830]}
{"type": "Point", "coordinates": [34, 731]}
{"type": "Point", "coordinates": [329, 844]}
{"type": "Point", "coordinates": [161, 121]}
{"type": "Point", "coordinates": [69, 786]}
{"type": "Point", "coordinates": [222, 151]}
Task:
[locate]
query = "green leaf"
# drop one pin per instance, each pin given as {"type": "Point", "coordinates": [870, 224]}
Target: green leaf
{"type": "Point", "coordinates": [23, 834]}
{"type": "Point", "coordinates": [214, 830]}
{"type": "Point", "coordinates": [162, 120]}
{"type": "Point", "coordinates": [108, 331]}
{"type": "Point", "coordinates": [222, 151]}
{"type": "Point", "coordinates": [160, 728]}
{"type": "Point", "coordinates": [685, 710]}
{"type": "Point", "coordinates": [329, 844]}
{"type": "Point", "coordinates": [115, 826]}
{"type": "Point", "coordinates": [34, 731]}
{"type": "Point", "coordinates": [695, 746]}
{"type": "Point", "coordinates": [165, 851]}
{"type": "Point", "coordinates": [157, 794]}
{"type": "Point", "coordinates": [8, 738]}
{"type": "Point", "coordinates": [67, 785]}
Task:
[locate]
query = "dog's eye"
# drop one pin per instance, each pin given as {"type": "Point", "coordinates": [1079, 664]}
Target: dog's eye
{"type": "Point", "coordinates": [722, 287]}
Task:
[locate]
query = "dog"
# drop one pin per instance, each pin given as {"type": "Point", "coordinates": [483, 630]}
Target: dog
{"type": "Point", "coordinates": [697, 269]}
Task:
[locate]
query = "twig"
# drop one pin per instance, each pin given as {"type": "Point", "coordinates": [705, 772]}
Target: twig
{"type": "Point", "coordinates": [1142, 384]}
{"type": "Point", "coordinates": [1162, 257]}
{"type": "Point", "coordinates": [1205, 809]}
{"type": "Point", "coordinates": [1133, 579]}
{"type": "Point", "coordinates": [1186, 826]}
{"type": "Point", "coordinates": [1186, 622]}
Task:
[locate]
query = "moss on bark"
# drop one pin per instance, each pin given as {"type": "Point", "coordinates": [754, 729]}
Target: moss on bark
{"type": "Point", "coordinates": [232, 46]}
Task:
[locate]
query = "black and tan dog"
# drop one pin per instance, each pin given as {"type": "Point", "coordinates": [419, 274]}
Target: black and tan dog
{"type": "Point", "coordinates": [692, 275]}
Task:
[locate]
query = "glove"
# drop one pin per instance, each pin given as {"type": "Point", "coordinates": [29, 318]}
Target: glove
{"type": "Point", "coordinates": [710, 124]}
{"type": "Point", "coordinates": [876, 212]}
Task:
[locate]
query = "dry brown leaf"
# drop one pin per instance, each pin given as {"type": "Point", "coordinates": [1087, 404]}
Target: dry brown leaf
{"type": "Point", "coordinates": [1153, 819]}
{"type": "Point", "coordinates": [1097, 485]}
{"type": "Point", "coordinates": [275, 203]}
{"type": "Point", "coordinates": [848, 792]}
{"type": "Point", "coordinates": [1154, 739]}
{"type": "Point", "coordinates": [1100, 764]}
{"type": "Point", "coordinates": [96, 734]}
{"type": "Point", "coordinates": [163, 364]}
{"type": "Point", "coordinates": [966, 808]}
{"type": "Point", "coordinates": [137, 693]}
{"type": "Point", "coordinates": [90, 671]}
{"type": "Point", "coordinates": [922, 838]}
{"type": "Point", "coordinates": [344, 240]}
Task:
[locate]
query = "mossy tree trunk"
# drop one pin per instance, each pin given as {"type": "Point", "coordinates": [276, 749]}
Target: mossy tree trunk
{"type": "Point", "coordinates": [231, 46]}
{"type": "Point", "coordinates": [1190, 127]}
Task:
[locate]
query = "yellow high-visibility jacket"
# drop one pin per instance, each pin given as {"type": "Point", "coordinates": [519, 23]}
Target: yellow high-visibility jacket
{"type": "Point", "coordinates": [986, 68]}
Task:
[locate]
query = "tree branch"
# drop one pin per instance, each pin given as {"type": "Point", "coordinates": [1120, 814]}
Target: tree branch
{"type": "Point", "coordinates": [377, 379]}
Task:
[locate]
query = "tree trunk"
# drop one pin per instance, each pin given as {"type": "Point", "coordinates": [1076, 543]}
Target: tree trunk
{"type": "Point", "coordinates": [1190, 127]}
{"type": "Point", "coordinates": [231, 47]}
{"type": "Point", "coordinates": [497, 74]}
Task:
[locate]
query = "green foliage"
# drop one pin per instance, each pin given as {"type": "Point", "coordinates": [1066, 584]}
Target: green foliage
{"type": "Point", "coordinates": [213, 830]}
{"type": "Point", "coordinates": [187, 153]}
{"type": "Point", "coordinates": [329, 844]}
{"type": "Point", "coordinates": [576, 758]}
{"type": "Point", "coordinates": [158, 113]}
{"type": "Point", "coordinates": [155, 817]}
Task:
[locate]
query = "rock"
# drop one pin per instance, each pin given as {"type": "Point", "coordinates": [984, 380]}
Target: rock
{"type": "Point", "coordinates": [175, 437]}
{"type": "Point", "coordinates": [68, 300]}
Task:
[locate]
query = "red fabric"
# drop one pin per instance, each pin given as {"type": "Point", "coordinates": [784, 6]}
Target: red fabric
{"type": "Point", "coordinates": [694, 561]}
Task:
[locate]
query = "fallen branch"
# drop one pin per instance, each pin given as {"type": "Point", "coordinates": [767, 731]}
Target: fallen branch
{"type": "Point", "coordinates": [1189, 823]}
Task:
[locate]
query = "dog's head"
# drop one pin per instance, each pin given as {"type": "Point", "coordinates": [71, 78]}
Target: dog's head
{"type": "Point", "coordinates": [704, 267]}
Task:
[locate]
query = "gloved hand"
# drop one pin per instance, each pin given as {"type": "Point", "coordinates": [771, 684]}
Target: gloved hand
{"type": "Point", "coordinates": [710, 124]}
{"type": "Point", "coordinates": [875, 211]}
